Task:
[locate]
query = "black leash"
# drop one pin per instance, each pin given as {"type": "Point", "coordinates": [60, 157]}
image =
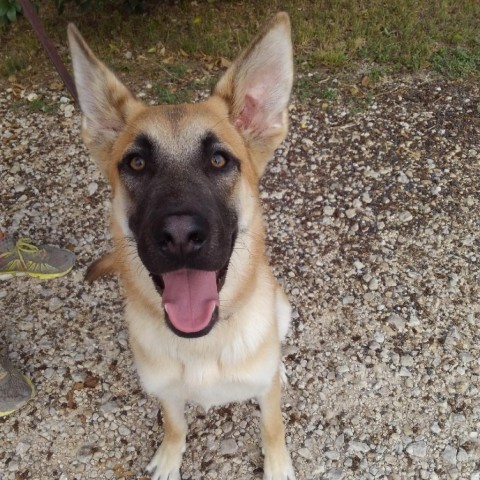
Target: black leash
{"type": "Point", "coordinates": [36, 24]}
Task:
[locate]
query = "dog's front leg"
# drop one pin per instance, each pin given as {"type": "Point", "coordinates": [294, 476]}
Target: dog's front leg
{"type": "Point", "coordinates": [165, 464]}
{"type": "Point", "coordinates": [277, 465]}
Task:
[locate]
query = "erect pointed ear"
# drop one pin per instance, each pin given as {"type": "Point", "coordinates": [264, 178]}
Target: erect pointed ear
{"type": "Point", "coordinates": [257, 87]}
{"type": "Point", "coordinates": [105, 102]}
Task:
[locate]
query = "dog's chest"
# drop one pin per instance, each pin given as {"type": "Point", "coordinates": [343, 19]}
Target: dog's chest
{"type": "Point", "coordinates": [208, 384]}
{"type": "Point", "coordinates": [206, 380]}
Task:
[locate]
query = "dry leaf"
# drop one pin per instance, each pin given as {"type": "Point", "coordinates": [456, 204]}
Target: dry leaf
{"type": "Point", "coordinates": [225, 63]}
{"type": "Point", "coordinates": [70, 402]}
{"type": "Point", "coordinates": [91, 382]}
{"type": "Point", "coordinates": [365, 81]}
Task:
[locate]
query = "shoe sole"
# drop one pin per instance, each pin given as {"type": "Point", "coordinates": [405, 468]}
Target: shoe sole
{"type": "Point", "coordinates": [22, 404]}
{"type": "Point", "coordinates": [41, 276]}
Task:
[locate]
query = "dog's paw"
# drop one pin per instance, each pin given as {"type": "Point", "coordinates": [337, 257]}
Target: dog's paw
{"type": "Point", "coordinates": [165, 464]}
{"type": "Point", "coordinates": [278, 468]}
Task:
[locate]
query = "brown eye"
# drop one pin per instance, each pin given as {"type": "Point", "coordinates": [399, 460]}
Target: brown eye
{"type": "Point", "coordinates": [137, 164]}
{"type": "Point", "coordinates": [218, 160]}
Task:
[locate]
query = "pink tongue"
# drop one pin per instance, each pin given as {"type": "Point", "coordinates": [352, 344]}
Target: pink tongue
{"type": "Point", "coordinates": [189, 298]}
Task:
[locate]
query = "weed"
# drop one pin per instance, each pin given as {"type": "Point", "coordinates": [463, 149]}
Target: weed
{"type": "Point", "coordinates": [37, 105]}
{"type": "Point", "coordinates": [170, 95]}
{"type": "Point", "coordinates": [455, 63]}
{"type": "Point", "coordinates": [12, 64]}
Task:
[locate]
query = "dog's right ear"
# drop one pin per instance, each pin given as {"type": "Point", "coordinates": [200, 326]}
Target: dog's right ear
{"type": "Point", "coordinates": [105, 102]}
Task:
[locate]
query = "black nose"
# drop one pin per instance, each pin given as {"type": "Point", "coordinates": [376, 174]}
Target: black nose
{"type": "Point", "coordinates": [181, 235]}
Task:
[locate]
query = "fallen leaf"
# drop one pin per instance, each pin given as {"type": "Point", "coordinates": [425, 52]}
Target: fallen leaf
{"type": "Point", "coordinates": [91, 382]}
{"type": "Point", "coordinates": [365, 81]}
{"type": "Point", "coordinates": [70, 403]}
{"type": "Point", "coordinates": [225, 63]}
{"type": "Point", "coordinates": [56, 86]}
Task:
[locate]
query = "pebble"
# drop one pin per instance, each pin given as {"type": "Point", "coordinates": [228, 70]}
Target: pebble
{"type": "Point", "coordinates": [358, 447]}
{"type": "Point", "coordinates": [351, 212]}
{"type": "Point", "coordinates": [69, 110]}
{"type": "Point", "coordinates": [405, 216]}
{"type": "Point", "coordinates": [305, 453]}
{"type": "Point", "coordinates": [449, 455]}
{"type": "Point", "coordinates": [335, 474]}
{"type": "Point", "coordinates": [435, 428]}
{"type": "Point", "coordinates": [328, 211]}
{"type": "Point", "coordinates": [92, 188]}
{"type": "Point", "coordinates": [396, 322]}
{"type": "Point", "coordinates": [417, 449]}
{"type": "Point", "coordinates": [228, 447]}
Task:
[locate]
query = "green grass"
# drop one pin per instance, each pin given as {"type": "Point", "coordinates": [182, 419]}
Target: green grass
{"type": "Point", "coordinates": [396, 35]}
{"type": "Point", "coordinates": [37, 105]}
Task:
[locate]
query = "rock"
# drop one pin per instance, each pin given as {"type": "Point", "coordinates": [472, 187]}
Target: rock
{"type": "Point", "coordinates": [373, 284]}
{"type": "Point", "coordinates": [351, 212]}
{"type": "Point", "coordinates": [335, 474]}
{"type": "Point", "coordinates": [92, 188]}
{"type": "Point", "coordinates": [228, 447]}
{"type": "Point", "coordinates": [396, 322]}
{"type": "Point", "coordinates": [405, 216]}
{"type": "Point", "coordinates": [348, 300]}
{"type": "Point", "coordinates": [435, 428]}
{"type": "Point", "coordinates": [358, 447]}
{"type": "Point", "coordinates": [328, 211]}
{"type": "Point", "coordinates": [22, 448]}
{"type": "Point", "coordinates": [305, 453]}
{"type": "Point", "coordinates": [417, 449]}
{"type": "Point", "coordinates": [462, 455]}
{"type": "Point", "coordinates": [69, 110]}
{"type": "Point", "coordinates": [406, 361]}
{"type": "Point", "coordinates": [449, 455]}
{"type": "Point", "coordinates": [124, 431]}
{"type": "Point", "coordinates": [332, 455]}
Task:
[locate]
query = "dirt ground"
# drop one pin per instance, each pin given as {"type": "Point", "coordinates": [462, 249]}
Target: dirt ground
{"type": "Point", "coordinates": [372, 206]}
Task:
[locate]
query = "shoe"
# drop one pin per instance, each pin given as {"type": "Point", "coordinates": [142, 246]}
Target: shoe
{"type": "Point", "coordinates": [16, 389]}
{"type": "Point", "coordinates": [43, 262]}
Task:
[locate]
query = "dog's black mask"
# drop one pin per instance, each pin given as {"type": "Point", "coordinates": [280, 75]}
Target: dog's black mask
{"type": "Point", "coordinates": [184, 225]}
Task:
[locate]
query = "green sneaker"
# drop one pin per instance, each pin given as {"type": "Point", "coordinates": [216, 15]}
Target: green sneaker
{"type": "Point", "coordinates": [15, 388]}
{"type": "Point", "coordinates": [23, 258]}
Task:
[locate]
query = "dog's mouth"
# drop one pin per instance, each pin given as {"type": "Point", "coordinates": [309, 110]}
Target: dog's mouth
{"type": "Point", "coordinates": [190, 299]}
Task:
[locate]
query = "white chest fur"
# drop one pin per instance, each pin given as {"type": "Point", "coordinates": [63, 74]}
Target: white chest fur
{"type": "Point", "coordinates": [213, 370]}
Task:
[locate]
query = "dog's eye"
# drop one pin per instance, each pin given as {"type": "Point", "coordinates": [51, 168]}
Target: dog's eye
{"type": "Point", "coordinates": [137, 164]}
{"type": "Point", "coordinates": [218, 160]}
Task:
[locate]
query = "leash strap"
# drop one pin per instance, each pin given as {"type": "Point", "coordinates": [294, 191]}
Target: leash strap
{"type": "Point", "coordinates": [32, 17]}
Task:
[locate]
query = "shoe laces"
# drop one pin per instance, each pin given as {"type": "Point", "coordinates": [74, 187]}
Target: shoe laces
{"type": "Point", "coordinates": [21, 248]}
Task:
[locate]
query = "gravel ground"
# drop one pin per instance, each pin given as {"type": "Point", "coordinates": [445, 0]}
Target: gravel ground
{"type": "Point", "coordinates": [372, 209]}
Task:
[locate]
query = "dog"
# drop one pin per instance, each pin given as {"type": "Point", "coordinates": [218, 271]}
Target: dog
{"type": "Point", "coordinates": [205, 314]}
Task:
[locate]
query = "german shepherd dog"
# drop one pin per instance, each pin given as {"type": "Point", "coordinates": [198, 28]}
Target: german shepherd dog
{"type": "Point", "coordinates": [205, 313]}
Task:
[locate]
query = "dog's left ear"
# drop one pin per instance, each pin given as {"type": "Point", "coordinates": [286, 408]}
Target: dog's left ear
{"type": "Point", "coordinates": [257, 87]}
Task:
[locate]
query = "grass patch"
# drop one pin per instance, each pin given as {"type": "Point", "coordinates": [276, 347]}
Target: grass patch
{"type": "Point", "coordinates": [312, 86]}
{"type": "Point", "coordinates": [170, 95]}
{"type": "Point", "coordinates": [399, 35]}
{"type": "Point", "coordinates": [455, 63]}
{"type": "Point", "coordinates": [36, 105]}
{"type": "Point", "coordinates": [13, 64]}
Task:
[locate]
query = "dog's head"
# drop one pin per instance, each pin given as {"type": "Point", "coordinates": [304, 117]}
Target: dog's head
{"type": "Point", "coordinates": [184, 178]}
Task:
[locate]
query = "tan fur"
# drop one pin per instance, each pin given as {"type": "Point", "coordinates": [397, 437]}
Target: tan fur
{"type": "Point", "coordinates": [240, 357]}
